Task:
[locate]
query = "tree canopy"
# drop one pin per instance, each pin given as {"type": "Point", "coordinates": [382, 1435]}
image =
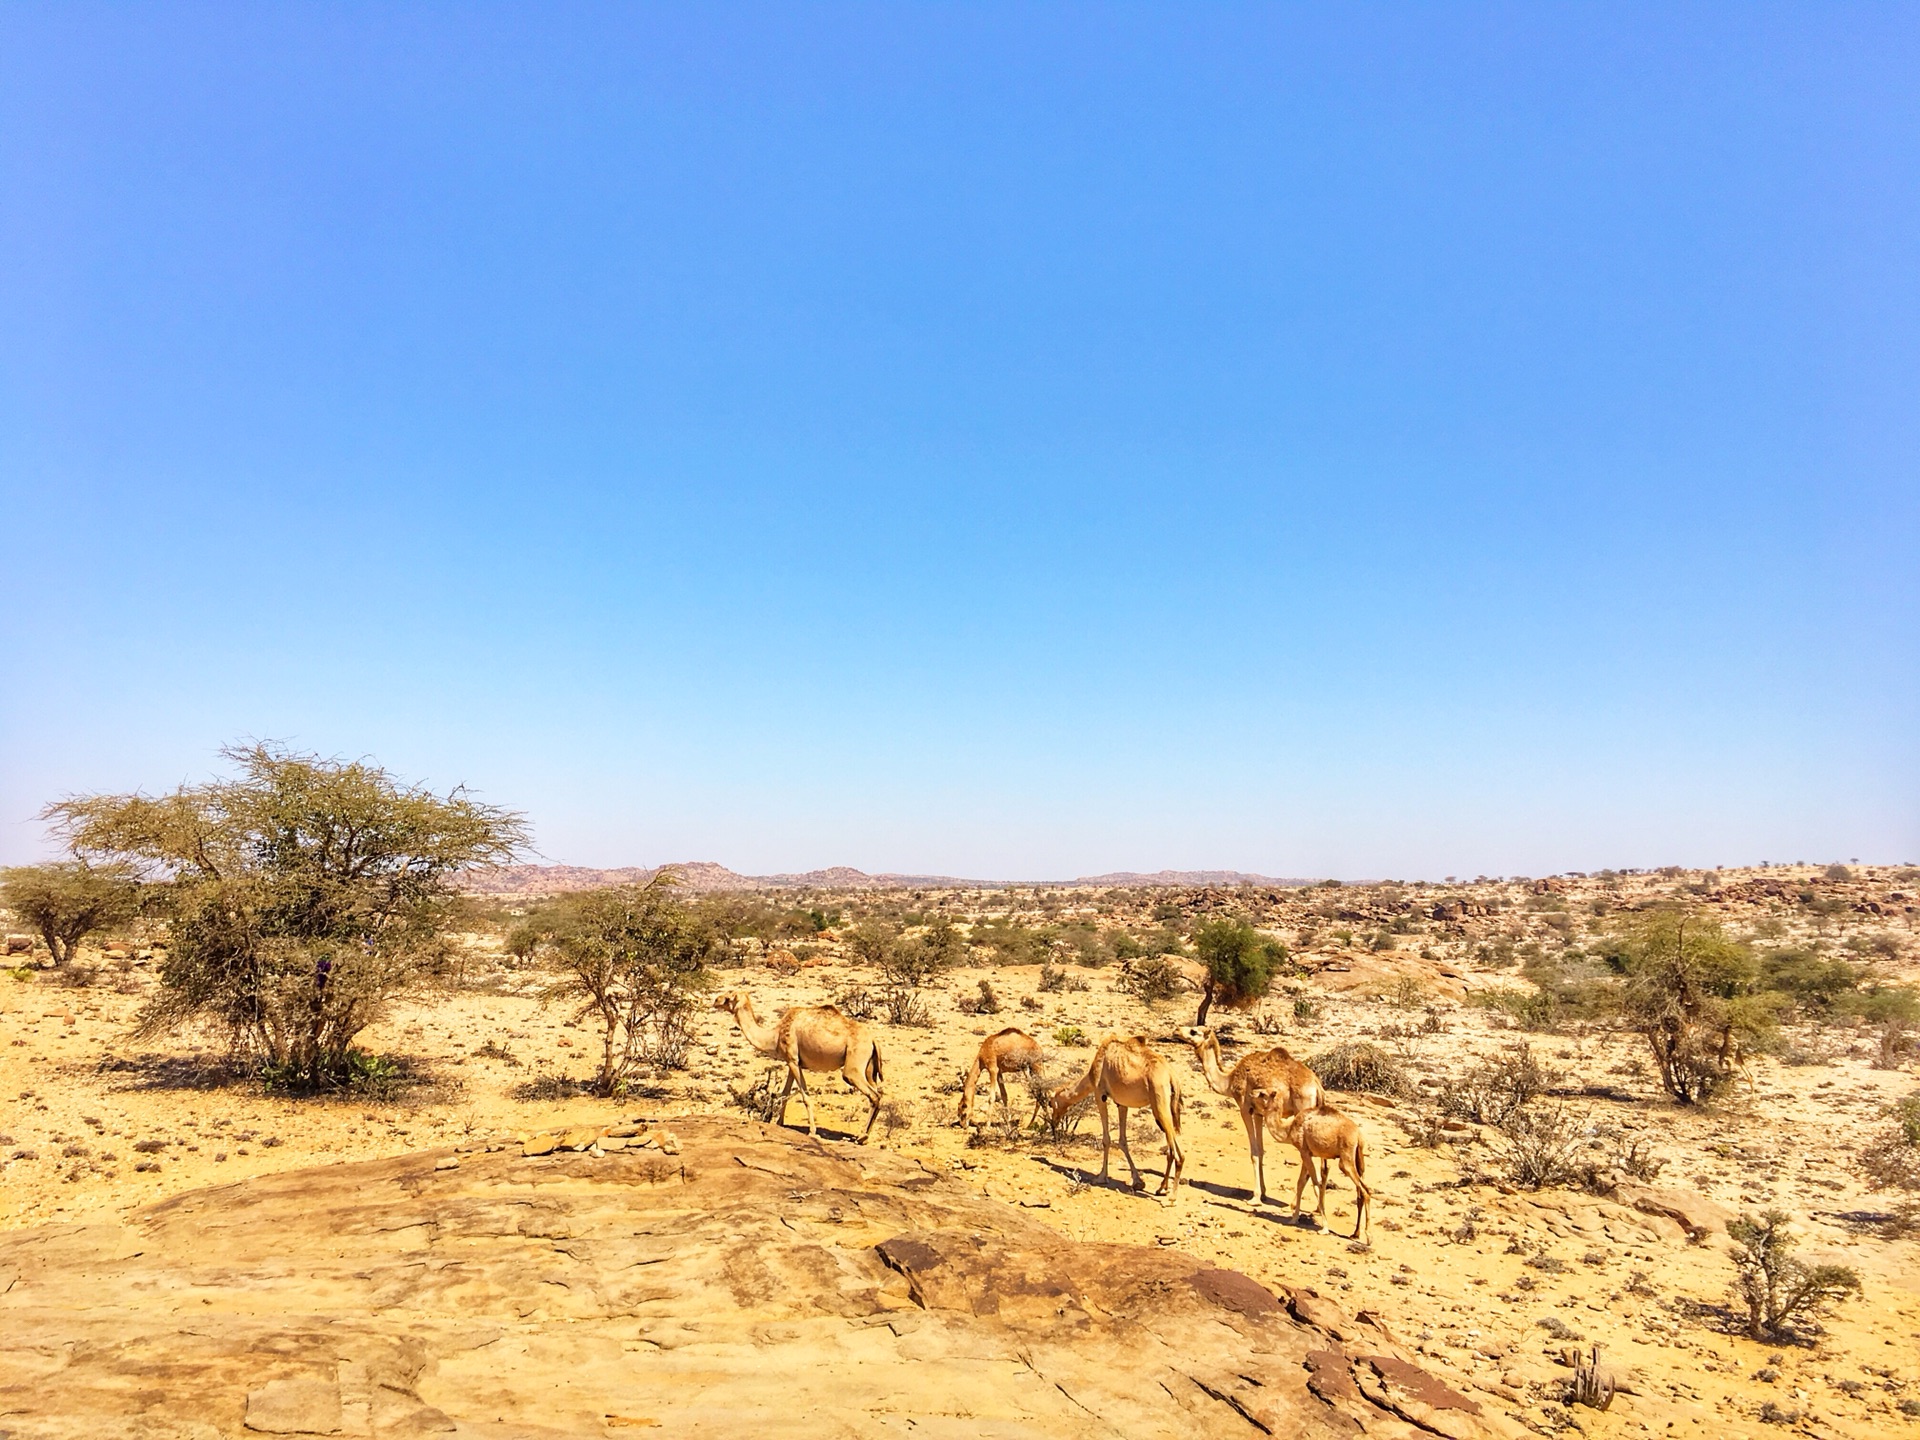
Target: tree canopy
{"type": "Point", "coordinates": [1240, 964]}
{"type": "Point", "coordinates": [632, 956]}
{"type": "Point", "coordinates": [69, 900]}
{"type": "Point", "coordinates": [299, 896]}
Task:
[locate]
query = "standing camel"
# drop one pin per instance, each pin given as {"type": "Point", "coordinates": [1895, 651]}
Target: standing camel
{"type": "Point", "coordinates": [1010, 1052]}
{"type": "Point", "coordinates": [811, 1037]}
{"type": "Point", "coordinates": [1295, 1086]}
{"type": "Point", "coordinates": [1321, 1134]}
{"type": "Point", "coordinates": [1134, 1076]}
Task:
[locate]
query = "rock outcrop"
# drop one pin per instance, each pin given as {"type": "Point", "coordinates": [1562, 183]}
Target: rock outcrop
{"type": "Point", "coordinates": [753, 1283]}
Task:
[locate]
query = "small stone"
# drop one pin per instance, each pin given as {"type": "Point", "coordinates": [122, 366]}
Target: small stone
{"type": "Point", "coordinates": [580, 1137]}
{"type": "Point", "coordinates": [669, 1142]}
{"type": "Point", "coordinates": [447, 1162]}
{"type": "Point", "coordinates": [540, 1145]}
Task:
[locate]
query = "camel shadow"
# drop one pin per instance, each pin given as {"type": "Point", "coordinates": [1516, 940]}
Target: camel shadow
{"type": "Point", "coordinates": [1074, 1175]}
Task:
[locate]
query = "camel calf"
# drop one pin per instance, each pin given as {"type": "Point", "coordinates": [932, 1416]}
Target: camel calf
{"type": "Point", "coordinates": [1010, 1052]}
{"type": "Point", "coordinates": [1320, 1135]}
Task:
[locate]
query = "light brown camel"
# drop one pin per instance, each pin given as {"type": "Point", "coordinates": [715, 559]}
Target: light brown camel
{"type": "Point", "coordinates": [1296, 1087]}
{"type": "Point", "coordinates": [1011, 1052]}
{"type": "Point", "coordinates": [811, 1037]}
{"type": "Point", "coordinates": [1133, 1075]}
{"type": "Point", "coordinates": [1320, 1135]}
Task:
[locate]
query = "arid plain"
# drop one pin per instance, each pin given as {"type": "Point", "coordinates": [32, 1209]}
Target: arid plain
{"type": "Point", "coordinates": [1488, 1285]}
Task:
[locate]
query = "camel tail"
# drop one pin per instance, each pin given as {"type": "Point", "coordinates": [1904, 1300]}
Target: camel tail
{"type": "Point", "coordinates": [1360, 1156]}
{"type": "Point", "coordinates": [873, 1067]}
{"type": "Point", "coordinates": [1179, 1102]}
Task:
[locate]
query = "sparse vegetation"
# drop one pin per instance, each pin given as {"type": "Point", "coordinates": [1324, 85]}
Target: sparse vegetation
{"type": "Point", "coordinates": [632, 958]}
{"type": "Point", "coordinates": [299, 898]}
{"type": "Point", "coordinates": [68, 901]}
{"type": "Point", "coordinates": [1239, 962]}
{"type": "Point", "coordinates": [1782, 1296]}
{"type": "Point", "coordinates": [1360, 1066]}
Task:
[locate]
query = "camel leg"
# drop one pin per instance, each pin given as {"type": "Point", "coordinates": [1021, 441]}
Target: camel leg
{"type": "Point", "coordinates": [854, 1077]}
{"type": "Point", "coordinates": [1106, 1140]}
{"type": "Point", "coordinates": [1000, 1084]}
{"type": "Point", "coordinates": [1300, 1182]}
{"type": "Point", "coordinates": [1138, 1183]}
{"type": "Point", "coordinates": [780, 1119]}
{"type": "Point", "coordinates": [796, 1072]}
{"type": "Point", "coordinates": [1176, 1160]}
{"type": "Point", "coordinates": [1257, 1148]}
{"type": "Point", "coordinates": [1362, 1196]}
{"type": "Point", "coordinates": [966, 1094]}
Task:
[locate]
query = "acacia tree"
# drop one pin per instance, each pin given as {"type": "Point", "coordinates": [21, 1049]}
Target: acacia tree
{"type": "Point", "coordinates": [632, 956]}
{"type": "Point", "coordinates": [1693, 993]}
{"type": "Point", "coordinates": [1240, 964]}
{"type": "Point", "coordinates": [68, 901]}
{"type": "Point", "coordinates": [300, 896]}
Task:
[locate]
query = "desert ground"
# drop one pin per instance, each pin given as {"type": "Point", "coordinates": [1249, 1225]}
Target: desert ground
{"type": "Point", "coordinates": [1490, 1284]}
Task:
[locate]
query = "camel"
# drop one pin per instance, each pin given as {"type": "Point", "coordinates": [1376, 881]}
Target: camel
{"type": "Point", "coordinates": [1296, 1087]}
{"type": "Point", "coordinates": [1134, 1076]}
{"type": "Point", "coordinates": [1320, 1134]}
{"type": "Point", "coordinates": [1012, 1051]}
{"type": "Point", "coordinates": [811, 1037]}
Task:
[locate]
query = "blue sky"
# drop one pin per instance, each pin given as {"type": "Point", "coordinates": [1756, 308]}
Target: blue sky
{"type": "Point", "coordinates": [1012, 440]}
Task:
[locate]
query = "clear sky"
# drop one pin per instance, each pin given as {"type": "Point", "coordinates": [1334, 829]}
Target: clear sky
{"type": "Point", "coordinates": [1006, 440]}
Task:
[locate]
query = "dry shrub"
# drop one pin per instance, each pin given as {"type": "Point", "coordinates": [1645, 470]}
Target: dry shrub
{"type": "Point", "coordinates": [1056, 980]}
{"type": "Point", "coordinates": [1150, 978]}
{"type": "Point", "coordinates": [1492, 1092]}
{"type": "Point", "coordinates": [1892, 1162]}
{"type": "Point", "coordinates": [1541, 1144]}
{"type": "Point", "coordinates": [1782, 1296]}
{"type": "Point", "coordinates": [986, 1002]}
{"type": "Point", "coordinates": [1359, 1066]}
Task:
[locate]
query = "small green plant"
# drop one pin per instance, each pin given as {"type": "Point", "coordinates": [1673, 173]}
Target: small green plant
{"type": "Point", "coordinates": [22, 973]}
{"type": "Point", "coordinates": [1779, 1292]}
{"type": "Point", "coordinates": [1070, 1035]}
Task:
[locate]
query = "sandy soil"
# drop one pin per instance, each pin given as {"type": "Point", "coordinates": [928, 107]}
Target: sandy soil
{"type": "Point", "coordinates": [1466, 1272]}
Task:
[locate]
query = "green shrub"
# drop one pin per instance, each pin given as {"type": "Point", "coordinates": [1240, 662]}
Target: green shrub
{"type": "Point", "coordinates": [1779, 1292]}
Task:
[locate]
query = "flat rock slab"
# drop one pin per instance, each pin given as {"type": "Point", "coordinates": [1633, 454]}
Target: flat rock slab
{"type": "Point", "coordinates": [755, 1282]}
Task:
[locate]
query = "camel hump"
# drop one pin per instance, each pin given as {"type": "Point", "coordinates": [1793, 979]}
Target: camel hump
{"type": "Point", "coordinates": [1010, 1030]}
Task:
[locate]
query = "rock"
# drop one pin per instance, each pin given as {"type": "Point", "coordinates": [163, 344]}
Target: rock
{"type": "Point", "coordinates": [669, 1142]}
{"type": "Point", "coordinates": [755, 1283]}
{"type": "Point", "coordinates": [447, 1162]}
{"type": "Point", "coordinates": [1697, 1215]}
{"type": "Point", "coordinates": [295, 1407]}
{"type": "Point", "coordinates": [540, 1145]}
{"type": "Point", "coordinates": [580, 1137]}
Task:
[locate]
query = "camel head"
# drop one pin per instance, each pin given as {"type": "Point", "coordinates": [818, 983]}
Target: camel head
{"type": "Point", "coordinates": [1202, 1038]}
{"type": "Point", "coordinates": [733, 1001]}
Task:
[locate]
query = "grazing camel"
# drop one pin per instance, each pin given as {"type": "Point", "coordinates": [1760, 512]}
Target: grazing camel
{"type": "Point", "coordinates": [1010, 1052]}
{"type": "Point", "coordinates": [1134, 1076]}
{"type": "Point", "coordinates": [1297, 1089]}
{"type": "Point", "coordinates": [1321, 1134]}
{"type": "Point", "coordinates": [811, 1037]}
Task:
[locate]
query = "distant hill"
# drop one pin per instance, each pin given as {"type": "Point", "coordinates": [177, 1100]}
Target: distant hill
{"type": "Point", "coordinates": [1187, 877]}
{"type": "Point", "coordinates": [706, 876]}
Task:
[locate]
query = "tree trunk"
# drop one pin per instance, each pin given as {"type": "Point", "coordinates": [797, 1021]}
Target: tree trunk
{"type": "Point", "coordinates": [1206, 1002]}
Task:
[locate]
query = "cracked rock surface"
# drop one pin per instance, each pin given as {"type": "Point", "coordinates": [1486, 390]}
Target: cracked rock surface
{"type": "Point", "coordinates": [757, 1282]}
